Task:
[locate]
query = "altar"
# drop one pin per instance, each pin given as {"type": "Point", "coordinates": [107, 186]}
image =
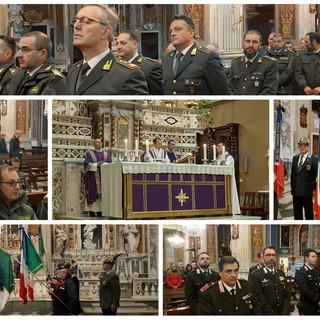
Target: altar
{"type": "Point", "coordinates": [133, 190]}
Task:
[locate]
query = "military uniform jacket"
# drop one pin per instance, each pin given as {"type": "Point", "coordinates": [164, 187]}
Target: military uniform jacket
{"type": "Point", "coordinates": [153, 73]}
{"type": "Point", "coordinates": [271, 291]}
{"type": "Point", "coordinates": [200, 73]}
{"type": "Point", "coordinates": [308, 282]}
{"type": "Point", "coordinates": [260, 78]}
{"type": "Point", "coordinates": [194, 281]}
{"type": "Point", "coordinates": [285, 69]}
{"type": "Point", "coordinates": [68, 292]}
{"type": "Point", "coordinates": [307, 72]}
{"type": "Point", "coordinates": [253, 268]}
{"type": "Point", "coordinates": [6, 72]}
{"type": "Point", "coordinates": [303, 180]}
{"type": "Point", "coordinates": [45, 81]}
{"type": "Point", "coordinates": [215, 299]}
{"type": "Point", "coordinates": [109, 77]}
{"type": "Point", "coordinates": [109, 290]}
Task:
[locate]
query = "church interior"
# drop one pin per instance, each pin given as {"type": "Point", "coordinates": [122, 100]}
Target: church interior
{"type": "Point", "coordinates": [183, 242]}
{"type": "Point", "coordinates": [125, 127]}
{"type": "Point", "coordinates": [85, 247]}
{"type": "Point", "coordinates": [31, 118]}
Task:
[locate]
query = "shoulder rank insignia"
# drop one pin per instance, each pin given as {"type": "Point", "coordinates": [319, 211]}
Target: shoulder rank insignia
{"type": "Point", "coordinates": [207, 286]}
{"type": "Point", "coordinates": [56, 72]}
{"type": "Point", "coordinates": [140, 59]}
{"type": "Point", "coordinates": [128, 65]}
{"type": "Point", "coordinates": [259, 60]}
{"type": "Point", "coordinates": [12, 70]}
{"type": "Point", "coordinates": [34, 90]}
{"type": "Point", "coordinates": [153, 60]}
{"type": "Point", "coordinates": [272, 59]}
{"type": "Point", "coordinates": [48, 68]}
{"type": "Point", "coordinates": [205, 50]}
{"type": "Point", "coordinates": [1, 70]}
{"type": "Point", "coordinates": [170, 53]}
{"type": "Point", "coordinates": [107, 65]}
{"type": "Point", "coordinates": [241, 58]}
{"type": "Point", "coordinates": [193, 52]}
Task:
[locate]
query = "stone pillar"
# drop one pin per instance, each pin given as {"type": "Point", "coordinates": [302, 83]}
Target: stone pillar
{"type": "Point", "coordinates": [304, 21]}
{"type": "Point", "coordinates": [4, 19]}
{"type": "Point", "coordinates": [153, 251]}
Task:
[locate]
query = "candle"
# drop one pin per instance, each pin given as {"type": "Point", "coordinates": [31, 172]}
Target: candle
{"type": "Point", "coordinates": [147, 147]}
{"type": "Point", "coordinates": [214, 152]}
{"type": "Point", "coordinates": [126, 147]}
{"type": "Point", "coordinates": [204, 152]}
{"type": "Point", "coordinates": [136, 148]}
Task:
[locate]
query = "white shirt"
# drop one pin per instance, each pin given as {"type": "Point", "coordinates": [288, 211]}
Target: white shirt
{"type": "Point", "coordinates": [230, 288]}
{"type": "Point", "coordinates": [94, 61]}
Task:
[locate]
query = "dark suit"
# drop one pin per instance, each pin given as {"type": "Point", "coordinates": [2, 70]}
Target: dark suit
{"type": "Point", "coordinates": [45, 81]}
{"type": "Point", "coordinates": [109, 77]}
{"type": "Point", "coordinates": [302, 186]}
{"type": "Point", "coordinates": [216, 299]}
{"type": "Point", "coordinates": [14, 149]}
{"type": "Point", "coordinates": [153, 73]}
{"type": "Point", "coordinates": [260, 78]}
{"type": "Point", "coordinates": [109, 292]}
{"type": "Point", "coordinates": [308, 282]}
{"type": "Point", "coordinates": [7, 70]}
{"type": "Point", "coordinates": [3, 146]}
{"type": "Point", "coordinates": [272, 291]}
{"type": "Point", "coordinates": [200, 73]}
{"type": "Point", "coordinates": [194, 281]}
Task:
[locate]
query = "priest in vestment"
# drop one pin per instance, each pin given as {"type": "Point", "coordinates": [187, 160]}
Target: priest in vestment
{"type": "Point", "coordinates": [157, 152]}
{"type": "Point", "coordinates": [92, 168]}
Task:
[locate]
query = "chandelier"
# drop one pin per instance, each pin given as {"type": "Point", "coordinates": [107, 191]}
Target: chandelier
{"type": "Point", "coordinates": [194, 230]}
{"type": "Point", "coordinates": [176, 241]}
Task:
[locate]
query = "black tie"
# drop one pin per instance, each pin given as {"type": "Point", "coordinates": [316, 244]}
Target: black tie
{"type": "Point", "coordinates": [178, 60]}
{"type": "Point", "coordinates": [248, 63]}
{"type": "Point", "coordinates": [82, 74]}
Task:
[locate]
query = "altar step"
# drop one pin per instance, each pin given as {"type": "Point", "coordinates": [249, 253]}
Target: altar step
{"type": "Point", "coordinates": [127, 307]}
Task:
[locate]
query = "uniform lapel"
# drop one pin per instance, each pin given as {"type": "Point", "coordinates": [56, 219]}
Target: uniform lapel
{"type": "Point", "coordinates": [96, 74]}
{"type": "Point", "coordinates": [73, 80]}
{"type": "Point", "coordinates": [187, 59]}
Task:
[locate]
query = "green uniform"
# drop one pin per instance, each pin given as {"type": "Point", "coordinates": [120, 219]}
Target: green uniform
{"type": "Point", "coordinates": [200, 72]}
{"type": "Point", "coordinates": [260, 78]}
{"type": "Point", "coordinates": [6, 72]}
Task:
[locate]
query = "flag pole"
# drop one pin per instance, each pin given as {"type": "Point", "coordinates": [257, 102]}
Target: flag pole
{"type": "Point", "coordinates": [41, 282]}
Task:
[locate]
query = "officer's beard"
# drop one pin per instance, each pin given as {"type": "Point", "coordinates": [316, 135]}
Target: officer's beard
{"type": "Point", "coordinates": [203, 266]}
{"type": "Point", "coordinates": [249, 55]}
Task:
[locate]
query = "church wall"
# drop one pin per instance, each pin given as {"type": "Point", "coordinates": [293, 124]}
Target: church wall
{"type": "Point", "coordinates": [253, 139]}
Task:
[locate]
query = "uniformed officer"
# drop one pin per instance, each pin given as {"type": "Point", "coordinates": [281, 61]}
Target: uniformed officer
{"type": "Point", "coordinates": [65, 300]}
{"type": "Point", "coordinates": [265, 50]}
{"type": "Point", "coordinates": [270, 286]}
{"type": "Point", "coordinates": [37, 76]}
{"type": "Point", "coordinates": [100, 73]}
{"type": "Point", "coordinates": [307, 73]}
{"type": "Point", "coordinates": [285, 69]}
{"type": "Point", "coordinates": [228, 296]}
{"type": "Point", "coordinates": [109, 293]}
{"type": "Point", "coordinates": [253, 74]}
{"type": "Point", "coordinates": [259, 265]}
{"type": "Point", "coordinates": [7, 65]}
{"type": "Point", "coordinates": [196, 279]}
{"type": "Point", "coordinates": [303, 180]}
{"type": "Point", "coordinates": [127, 49]}
{"type": "Point", "coordinates": [308, 280]}
{"type": "Point", "coordinates": [189, 69]}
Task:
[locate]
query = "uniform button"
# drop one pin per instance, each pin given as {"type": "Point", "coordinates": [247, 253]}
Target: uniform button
{"type": "Point", "coordinates": [174, 81]}
{"type": "Point", "coordinates": [191, 82]}
{"type": "Point", "coordinates": [187, 82]}
{"type": "Point", "coordinates": [278, 298]}
{"type": "Point", "coordinates": [237, 308]}
{"type": "Point", "coordinates": [220, 310]}
{"type": "Point", "coordinates": [243, 87]}
{"type": "Point", "coordinates": [174, 92]}
{"type": "Point", "coordinates": [245, 78]}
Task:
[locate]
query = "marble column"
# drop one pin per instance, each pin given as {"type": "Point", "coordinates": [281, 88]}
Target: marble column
{"type": "Point", "coordinates": [4, 19]}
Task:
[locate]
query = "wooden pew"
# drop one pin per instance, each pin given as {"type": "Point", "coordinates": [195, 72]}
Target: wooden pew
{"type": "Point", "coordinates": [174, 302]}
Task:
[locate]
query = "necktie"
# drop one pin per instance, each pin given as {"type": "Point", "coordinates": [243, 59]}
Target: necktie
{"type": "Point", "coordinates": [248, 63]}
{"type": "Point", "coordinates": [82, 74]}
{"type": "Point", "coordinates": [233, 292]}
{"type": "Point", "coordinates": [178, 60]}
{"type": "Point", "coordinates": [300, 162]}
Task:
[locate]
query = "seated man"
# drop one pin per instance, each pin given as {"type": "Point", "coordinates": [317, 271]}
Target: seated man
{"type": "Point", "coordinates": [12, 199]}
{"type": "Point", "coordinates": [171, 152]}
{"type": "Point", "coordinates": [15, 162]}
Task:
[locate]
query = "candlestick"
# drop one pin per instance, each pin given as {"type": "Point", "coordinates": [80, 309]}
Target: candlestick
{"type": "Point", "coordinates": [204, 152]}
{"type": "Point", "coordinates": [214, 152]}
{"type": "Point", "coordinates": [126, 147]}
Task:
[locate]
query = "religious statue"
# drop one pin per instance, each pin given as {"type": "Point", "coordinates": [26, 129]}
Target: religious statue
{"type": "Point", "coordinates": [15, 19]}
{"type": "Point", "coordinates": [132, 235]}
{"type": "Point", "coordinates": [61, 238]}
{"type": "Point", "coordinates": [88, 234]}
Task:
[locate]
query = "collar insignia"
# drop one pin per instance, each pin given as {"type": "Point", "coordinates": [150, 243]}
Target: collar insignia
{"type": "Point", "coordinates": [107, 65]}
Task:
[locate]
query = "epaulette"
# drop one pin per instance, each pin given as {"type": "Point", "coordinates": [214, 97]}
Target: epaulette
{"type": "Point", "coordinates": [170, 53]}
{"type": "Point", "coordinates": [56, 72]}
{"type": "Point", "coordinates": [205, 50]}
{"type": "Point", "coordinates": [128, 65]}
{"type": "Point", "coordinates": [153, 60]}
{"type": "Point", "coordinates": [241, 58]}
{"type": "Point", "coordinates": [48, 68]}
{"type": "Point", "coordinates": [207, 286]}
{"type": "Point", "coordinates": [270, 58]}
{"type": "Point", "coordinates": [256, 270]}
{"type": "Point", "coordinates": [1, 70]}
{"type": "Point", "coordinates": [77, 63]}
{"type": "Point", "coordinates": [12, 70]}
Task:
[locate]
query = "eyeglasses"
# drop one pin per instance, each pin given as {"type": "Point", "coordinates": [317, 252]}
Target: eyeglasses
{"type": "Point", "coordinates": [228, 271]}
{"type": "Point", "coordinates": [13, 184]}
{"type": "Point", "coordinates": [271, 255]}
{"type": "Point", "coordinates": [251, 41]}
{"type": "Point", "coordinates": [26, 49]}
{"type": "Point", "coordinates": [85, 21]}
